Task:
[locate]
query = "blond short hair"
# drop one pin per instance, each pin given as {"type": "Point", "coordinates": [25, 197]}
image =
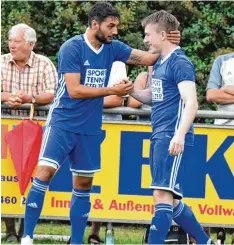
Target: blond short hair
{"type": "Point", "coordinates": [165, 21]}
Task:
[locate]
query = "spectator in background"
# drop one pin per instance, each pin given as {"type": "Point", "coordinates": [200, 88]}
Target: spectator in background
{"type": "Point", "coordinates": [142, 81]}
{"type": "Point", "coordinates": [118, 72]}
{"type": "Point", "coordinates": [26, 77]}
{"type": "Point", "coordinates": [220, 88]}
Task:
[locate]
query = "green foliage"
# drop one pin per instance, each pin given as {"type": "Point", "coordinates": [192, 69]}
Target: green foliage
{"type": "Point", "coordinates": [207, 27]}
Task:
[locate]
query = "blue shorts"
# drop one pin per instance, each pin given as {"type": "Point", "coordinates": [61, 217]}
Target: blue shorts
{"type": "Point", "coordinates": [83, 151]}
{"type": "Point", "coordinates": [167, 171]}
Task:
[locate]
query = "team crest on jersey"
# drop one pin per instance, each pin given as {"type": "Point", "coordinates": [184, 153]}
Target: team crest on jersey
{"type": "Point", "coordinates": [157, 90]}
{"type": "Point", "coordinates": [95, 78]}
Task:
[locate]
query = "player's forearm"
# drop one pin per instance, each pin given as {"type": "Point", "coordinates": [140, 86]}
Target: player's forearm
{"type": "Point", "coordinates": [150, 59]}
{"type": "Point", "coordinates": [219, 96]}
{"type": "Point", "coordinates": [5, 96]}
{"type": "Point", "coordinates": [85, 92]}
{"type": "Point", "coordinates": [144, 96]}
{"type": "Point", "coordinates": [139, 57]}
{"type": "Point", "coordinates": [188, 116]}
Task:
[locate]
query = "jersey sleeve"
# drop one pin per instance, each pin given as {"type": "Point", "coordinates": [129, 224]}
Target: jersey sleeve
{"type": "Point", "coordinates": [122, 51]}
{"type": "Point", "coordinates": [183, 70]}
{"type": "Point", "coordinates": [69, 57]}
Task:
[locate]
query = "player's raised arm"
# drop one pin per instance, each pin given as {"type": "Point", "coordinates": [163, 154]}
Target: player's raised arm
{"type": "Point", "coordinates": [78, 91]}
{"type": "Point", "coordinates": [139, 57]}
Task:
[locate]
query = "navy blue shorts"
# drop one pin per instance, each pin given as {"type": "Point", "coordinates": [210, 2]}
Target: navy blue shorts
{"type": "Point", "coordinates": [83, 151]}
{"type": "Point", "coordinates": [167, 171]}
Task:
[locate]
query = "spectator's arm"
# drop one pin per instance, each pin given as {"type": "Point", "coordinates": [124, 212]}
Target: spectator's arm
{"type": "Point", "coordinates": [228, 89]}
{"type": "Point", "coordinates": [12, 100]}
{"type": "Point", "coordinates": [140, 83]}
{"type": "Point", "coordinates": [219, 96]}
{"type": "Point", "coordinates": [44, 98]}
{"type": "Point", "coordinates": [113, 101]}
{"type": "Point", "coordinates": [5, 96]}
{"type": "Point", "coordinates": [41, 98]}
{"type": "Point", "coordinates": [214, 91]}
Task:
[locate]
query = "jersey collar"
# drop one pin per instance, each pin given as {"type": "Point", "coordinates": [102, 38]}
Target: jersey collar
{"type": "Point", "coordinates": [91, 47]}
{"type": "Point", "coordinates": [167, 57]}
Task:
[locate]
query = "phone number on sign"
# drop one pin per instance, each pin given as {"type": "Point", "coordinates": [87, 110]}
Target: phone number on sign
{"type": "Point", "coordinates": [12, 200]}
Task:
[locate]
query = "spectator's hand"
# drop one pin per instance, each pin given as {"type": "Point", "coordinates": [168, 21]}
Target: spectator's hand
{"type": "Point", "coordinates": [174, 37]}
{"type": "Point", "coordinates": [176, 145]}
{"type": "Point", "coordinates": [24, 97]}
{"type": "Point", "coordinates": [123, 88]}
{"type": "Point", "coordinates": [14, 101]}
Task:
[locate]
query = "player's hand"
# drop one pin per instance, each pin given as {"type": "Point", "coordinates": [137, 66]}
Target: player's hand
{"type": "Point", "coordinates": [123, 88]}
{"type": "Point", "coordinates": [176, 146]}
{"type": "Point", "coordinates": [14, 101]}
{"type": "Point", "coordinates": [123, 81]}
{"type": "Point", "coordinates": [174, 37]}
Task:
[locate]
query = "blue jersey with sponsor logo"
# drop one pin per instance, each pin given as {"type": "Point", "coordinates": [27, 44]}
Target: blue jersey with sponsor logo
{"type": "Point", "coordinates": [77, 55]}
{"type": "Point", "coordinates": [167, 104]}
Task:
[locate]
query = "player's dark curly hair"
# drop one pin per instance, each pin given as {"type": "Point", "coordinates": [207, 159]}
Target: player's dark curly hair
{"type": "Point", "coordinates": [100, 11]}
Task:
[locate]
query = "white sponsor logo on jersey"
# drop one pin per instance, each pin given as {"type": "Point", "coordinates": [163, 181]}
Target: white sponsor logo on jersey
{"type": "Point", "coordinates": [95, 78]}
{"type": "Point", "coordinates": [157, 90]}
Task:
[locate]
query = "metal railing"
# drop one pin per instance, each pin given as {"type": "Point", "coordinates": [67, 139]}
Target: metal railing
{"type": "Point", "coordinates": [139, 112]}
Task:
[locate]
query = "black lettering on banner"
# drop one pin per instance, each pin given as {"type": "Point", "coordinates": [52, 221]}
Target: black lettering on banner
{"type": "Point", "coordinates": [24, 201]}
{"type": "Point", "coordinates": [8, 200]}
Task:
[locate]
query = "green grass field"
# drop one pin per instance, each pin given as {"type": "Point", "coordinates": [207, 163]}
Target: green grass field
{"type": "Point", "coordinates": [124, 234]}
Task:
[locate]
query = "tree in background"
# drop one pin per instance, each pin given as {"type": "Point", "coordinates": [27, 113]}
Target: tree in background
{"type": "Point", "coordinates": [206, 28]}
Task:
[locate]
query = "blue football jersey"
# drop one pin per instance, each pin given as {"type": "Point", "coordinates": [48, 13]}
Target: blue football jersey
{"type": "Point", "coordinates": [77, 55]}
{"type": "Point", "coordinates": [167, 104]}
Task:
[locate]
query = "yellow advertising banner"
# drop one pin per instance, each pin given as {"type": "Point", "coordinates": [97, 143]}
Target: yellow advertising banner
{"type": "Point", "coordinates": [121, 191]}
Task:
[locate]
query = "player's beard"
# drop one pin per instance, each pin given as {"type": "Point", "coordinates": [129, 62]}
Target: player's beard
{"type": "Point", "coordinates": [101, 37]}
